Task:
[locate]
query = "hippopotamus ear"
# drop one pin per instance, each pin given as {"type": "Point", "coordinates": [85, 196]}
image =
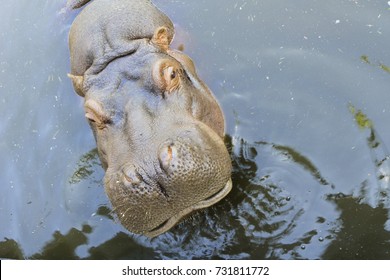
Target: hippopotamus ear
{"type": "Point", "coordinates": [96, 114]}
{"type": "Point", "coordinates": [161, 38]}
{"type": "Point", "coordinates": [77, 84]}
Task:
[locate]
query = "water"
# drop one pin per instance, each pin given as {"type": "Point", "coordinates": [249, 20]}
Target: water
{"type": "Point", "coordinates": [304, 88]}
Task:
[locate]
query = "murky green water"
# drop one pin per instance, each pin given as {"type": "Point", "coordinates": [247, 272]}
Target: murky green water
{"type": "Point", "coordinates": [305, 88]}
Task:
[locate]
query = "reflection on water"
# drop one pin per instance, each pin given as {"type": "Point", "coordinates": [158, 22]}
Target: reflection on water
{"type": "Point", "coordinates": [10, 249]}
{"type": "Point", "coordinates": [85, 166]}
{"type": "Point", "coordinates": [361, 234]}
{"type": "Point", "coordinates": [379, 194]}
{"type": "Point", "coordinates": [279, 199]}
{"type": "Point", "coordinates": [64, 246]}
{"type": "Point", "coordinates": [307, 121]}
{"type": "Point", "coordinates": [301, 160]}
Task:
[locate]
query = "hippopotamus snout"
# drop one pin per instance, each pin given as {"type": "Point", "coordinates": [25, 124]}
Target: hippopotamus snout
{"type": "Point", "coordinates": [197, 164]}
{"type": "Point", "coordinates": [191, 170]}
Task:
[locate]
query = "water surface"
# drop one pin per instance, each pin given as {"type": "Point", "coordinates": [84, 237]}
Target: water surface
{"type": "Point", "coordinates": [304, 86]}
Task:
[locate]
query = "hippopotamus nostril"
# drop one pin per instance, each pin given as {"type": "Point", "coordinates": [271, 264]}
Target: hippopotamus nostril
{"type": "Point", "coordinates": [167, 155]}
{"type": "Point", "coordinates": [131, 176]}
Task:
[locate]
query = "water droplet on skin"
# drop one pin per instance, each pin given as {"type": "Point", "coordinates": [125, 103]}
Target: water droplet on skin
{"type": "Point", "coordinates": [288, 198]}
{"type": "Point", "coordinates": [321, 239]}
{"type": "Point", "coordinates": [303, 247]}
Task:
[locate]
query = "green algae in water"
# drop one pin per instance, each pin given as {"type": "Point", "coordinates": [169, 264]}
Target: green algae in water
{"type": "Point", "coordinates": [361, 119]}
{"type": "Point", "coordinates": [385, 68]}
{"type": "Point", "coordinates": [382, 66]}
{"type": "Point", "coordinates": [365, 59]}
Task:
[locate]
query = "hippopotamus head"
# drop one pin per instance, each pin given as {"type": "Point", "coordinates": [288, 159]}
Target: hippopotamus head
{"type": "Point", "coordinates": [159, 132]}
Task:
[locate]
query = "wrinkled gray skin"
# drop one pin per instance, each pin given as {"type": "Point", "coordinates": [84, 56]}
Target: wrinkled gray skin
{"type": "Point", "coordinates": [158, 128]}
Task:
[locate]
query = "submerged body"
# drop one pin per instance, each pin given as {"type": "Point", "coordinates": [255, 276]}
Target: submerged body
{"type": "Point", "coordinates": [159, 130]}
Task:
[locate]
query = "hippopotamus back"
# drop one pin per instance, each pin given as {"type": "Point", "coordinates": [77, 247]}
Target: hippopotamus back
{"type": "Point", "coordinates": [108, 29]}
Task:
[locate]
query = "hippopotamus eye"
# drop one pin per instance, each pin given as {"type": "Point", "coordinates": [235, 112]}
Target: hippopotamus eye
{"type": "Point", "coordinates": [169, 74]}
{"type": "Point", "coordinates": [96, 114]}
{"type": "Point", "coordinates": [171, 78]}
{"type": "Point", "coordinates": [166, 75]}
{"type": "Point", "coordinates": [173, 74]}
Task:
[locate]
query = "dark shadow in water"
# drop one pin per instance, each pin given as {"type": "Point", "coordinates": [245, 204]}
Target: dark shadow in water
{"type": "Point", "coordinates": [105, 211]}
{"type": "Point", "coordinates": [121, 246]}
{"type": "Point", "coordinates": [362, 234]}
{"type": "Point", "coordinates": [63, 247]}
{"type": "Point", "coordinates": [10, 249]}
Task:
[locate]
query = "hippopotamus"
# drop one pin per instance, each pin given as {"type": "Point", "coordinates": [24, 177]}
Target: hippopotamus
{"type": "Point", "coordinates": [159, 130]}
